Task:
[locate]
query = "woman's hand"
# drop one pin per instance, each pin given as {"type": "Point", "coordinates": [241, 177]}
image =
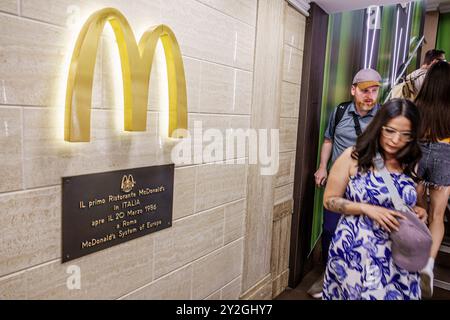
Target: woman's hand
{"type": "Point", "coordinates": [386, 218]}
{"type": "Point", "coordinates": [421, 213]}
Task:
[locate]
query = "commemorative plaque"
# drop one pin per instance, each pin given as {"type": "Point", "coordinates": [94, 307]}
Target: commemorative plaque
{"type": "Point", "coordinates": [105, 209]}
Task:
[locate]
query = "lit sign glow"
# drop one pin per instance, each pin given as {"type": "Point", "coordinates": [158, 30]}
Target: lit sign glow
{"type": "Point", "coordinates": [136, 61]}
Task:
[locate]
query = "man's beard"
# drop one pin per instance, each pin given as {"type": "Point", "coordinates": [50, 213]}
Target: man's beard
{"type": "Point", "coordinates": [363, 106]}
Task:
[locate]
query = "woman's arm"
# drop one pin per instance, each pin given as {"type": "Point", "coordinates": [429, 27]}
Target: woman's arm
{"type": "Point", "coordinates": [337, 183]}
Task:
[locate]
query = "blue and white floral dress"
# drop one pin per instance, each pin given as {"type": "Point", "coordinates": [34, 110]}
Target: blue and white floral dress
{"type": "Point", "coordinates": [360, 265]}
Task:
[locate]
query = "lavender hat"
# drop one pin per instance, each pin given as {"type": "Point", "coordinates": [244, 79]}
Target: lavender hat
{"type": "Point", "coordinates": [411, 244]}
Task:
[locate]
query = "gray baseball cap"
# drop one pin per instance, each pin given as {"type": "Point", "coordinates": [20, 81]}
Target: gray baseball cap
{"type": "Point", "coordinates": [366, 78]}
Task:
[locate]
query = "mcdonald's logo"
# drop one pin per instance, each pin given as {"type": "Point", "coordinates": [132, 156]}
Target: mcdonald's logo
{"type": "Point", "coordinates": [136, 61]}
{"type": "Point", "coordinates": [127, 183]}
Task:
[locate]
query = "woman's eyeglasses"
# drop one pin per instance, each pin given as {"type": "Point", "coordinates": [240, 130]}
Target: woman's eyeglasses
{"type": "Point", "coordinates": [390, 133]}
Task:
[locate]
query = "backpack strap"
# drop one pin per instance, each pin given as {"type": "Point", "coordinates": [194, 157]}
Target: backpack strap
{"type": "Point", "coordinates": [357, 125]}
{"type": "Point", "coordinates": [340, 111]}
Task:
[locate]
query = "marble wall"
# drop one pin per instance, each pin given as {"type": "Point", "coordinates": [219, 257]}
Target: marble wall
{"type": "Point", "coordinates": [294, 33]}
{"type": "Point", "coordinates": [201, 255]}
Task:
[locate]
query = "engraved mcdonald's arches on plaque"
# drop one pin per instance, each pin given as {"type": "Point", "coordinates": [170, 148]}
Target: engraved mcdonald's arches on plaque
{"type": "Point", "coordinates": [136, 61]}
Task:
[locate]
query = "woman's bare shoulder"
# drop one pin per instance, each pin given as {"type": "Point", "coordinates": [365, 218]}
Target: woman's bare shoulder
{"type": "Point", "coordinates": [347, 161]}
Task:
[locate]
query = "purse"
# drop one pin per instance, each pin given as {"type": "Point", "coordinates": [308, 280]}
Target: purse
{"type": "Point", "coordinates": [411, 244]}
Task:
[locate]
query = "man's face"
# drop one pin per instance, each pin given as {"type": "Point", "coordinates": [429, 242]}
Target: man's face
{"type": "Point", "coordinates": [365, 99]}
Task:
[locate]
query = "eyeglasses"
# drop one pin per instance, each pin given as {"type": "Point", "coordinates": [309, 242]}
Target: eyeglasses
{"type": "Point", "coordinates": [390, 133]}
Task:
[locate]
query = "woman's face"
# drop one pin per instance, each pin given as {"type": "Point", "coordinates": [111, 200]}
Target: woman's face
{"type": "Point", "coordinates": [395, 135]}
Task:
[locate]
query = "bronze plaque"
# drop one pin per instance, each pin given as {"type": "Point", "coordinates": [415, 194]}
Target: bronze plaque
{"type": "Point", "coordinates": [104, 209]}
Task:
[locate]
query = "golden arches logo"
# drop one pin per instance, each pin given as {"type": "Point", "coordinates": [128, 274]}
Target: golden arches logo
{"type": "Point", "coordinates": [136, 61]}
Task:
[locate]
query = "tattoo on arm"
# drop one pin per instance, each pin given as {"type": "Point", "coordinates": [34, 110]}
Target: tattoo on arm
{"type": "Point", "coordinates": [338, 204]}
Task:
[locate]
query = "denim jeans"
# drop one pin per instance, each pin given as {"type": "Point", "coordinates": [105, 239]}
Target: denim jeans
{"type": "Point", "coordinates": [434, 167]}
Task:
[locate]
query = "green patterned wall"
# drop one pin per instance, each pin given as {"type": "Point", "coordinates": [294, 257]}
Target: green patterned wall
{"type": "Point", "coordinates": [443, 36]}
{"type": "Point", "coordinates": [344, 58]}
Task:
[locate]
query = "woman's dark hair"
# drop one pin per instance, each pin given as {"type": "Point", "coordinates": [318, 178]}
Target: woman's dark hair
{"type": "Point", "coordinates": [368, 143]}
{"type": "Point", "coordinates": [433, 102]}
{"type": "Point", "coordinates": [432, 54]}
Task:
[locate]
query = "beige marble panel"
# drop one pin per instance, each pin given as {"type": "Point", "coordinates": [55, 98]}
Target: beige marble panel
{"type": "Point", "coordinates": [217, 269]}
{"type": "Point", "coordinates": [285, 239]}
{"type": "Point", "coordinates": [207, 34]}
{"type": "Point", "coordinates": [9, 6]}
{"type": "Point", "coordinates": [280, 283]}
{"type": "Point", "coordinates": [295, 23]}
{"type": "Point", "coordinates": [232, 290]}
{"type": "Point", "coordinates": [184, 192]}
{"type": "Point", "coordinates": [223, 90]}
{"type": "Point", "coordinates": [60, 12]}
{"type": "Point", "coordinates": [187, 240]}
{"type": "Point", "coordinates": [262, 290]}
{"type": "Point", "coordinates": [202, 32]}
{"type": "Point", "coordinates": [219, 184]}
{"type": "Point", "coordinates": [35, 58]}
{"type": "Point", "coordinates": [221, 122]}
{"type": "Point", "coordinates": [215, 295]}
{"type": "Point", "coordinates": [193, 73]}
{"type": "Point", "coordinates": [234, 221]}
{"type": "Point", "coordinates": [11, 150]}
{"type": "Point", "coordinates": [47, 157]}
{"type": "Point", "coordinates": [32, 58]}
{"type": "Point", "coordinates": [266, 101]}
{"type": "Point", "coordinates": [30, 233]}
{"type": "Point", "coordinates": [243, 92]}
{"type": "Point", "coordinates": [292, 64]}
{"type": "Point", "coordinates": [282, 209]}
{"type": "Point", "coordinates": [175, 286]}
{"type": "Point", "coordinates": [265, 293]}
{"type": "Point", "coordinates": [244, 10]}
{"type": "Point", "coordinates": [14, 287]}
{"type": "Point", "coordinates": [290, 100]}
{"type": "Point", "coordinates": [285, 279]}
{"type": "Point", "coordinates": [284, 193]}
{"type": "Point", "coordinates": [274, 260]}
{"type": "Point", "coordinates": [244, 37]}
{"type": "Point", "coordinates": [202, 148]}
{"type": "Point", "coordinates": [286, 171]}
{"type": "Point", "coordinates": [107, 274]}
{"type": "Point", "coordinates": [141, 14]}
{"type": "Point", "coordinates": [276, 286]}
{"type": "Point", "coordinates": [216, 89]}
{"type": "Point", "coordinates": [288, 134]}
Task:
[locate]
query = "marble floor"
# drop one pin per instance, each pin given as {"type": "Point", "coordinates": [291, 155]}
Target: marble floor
{"type": "Point", "coordinates": [300, 292]}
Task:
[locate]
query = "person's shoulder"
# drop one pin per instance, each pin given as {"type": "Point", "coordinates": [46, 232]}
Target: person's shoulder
{"type": "Point", "coordinates": [344, 104]}
{"type": "Point", "coordinates": [416, 73]}
{"type": "Point", "coordinates": [346, 155]}
{"type": "Point", "coordinates": [348, 152]}
{"type": "Point", "coordinates": [341, 106]}
{"type": "Point", "coordinates": [347, 161]}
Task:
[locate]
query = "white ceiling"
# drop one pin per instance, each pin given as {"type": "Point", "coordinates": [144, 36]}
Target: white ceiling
{"type": "Point", "coordinates": [333, 6]}
{"type": "Point", "coordinates": [443, 5]}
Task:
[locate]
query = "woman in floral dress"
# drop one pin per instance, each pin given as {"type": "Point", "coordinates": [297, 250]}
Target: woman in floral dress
{"type": "Point", "coordinates": [360, 264]}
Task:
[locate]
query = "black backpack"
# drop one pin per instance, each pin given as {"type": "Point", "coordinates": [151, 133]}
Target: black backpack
{"type": "Point", "coordinates": [340, 111]}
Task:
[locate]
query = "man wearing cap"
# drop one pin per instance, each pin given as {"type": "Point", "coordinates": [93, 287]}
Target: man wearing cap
{"type": "Point", "coordinates": [346, 122]}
